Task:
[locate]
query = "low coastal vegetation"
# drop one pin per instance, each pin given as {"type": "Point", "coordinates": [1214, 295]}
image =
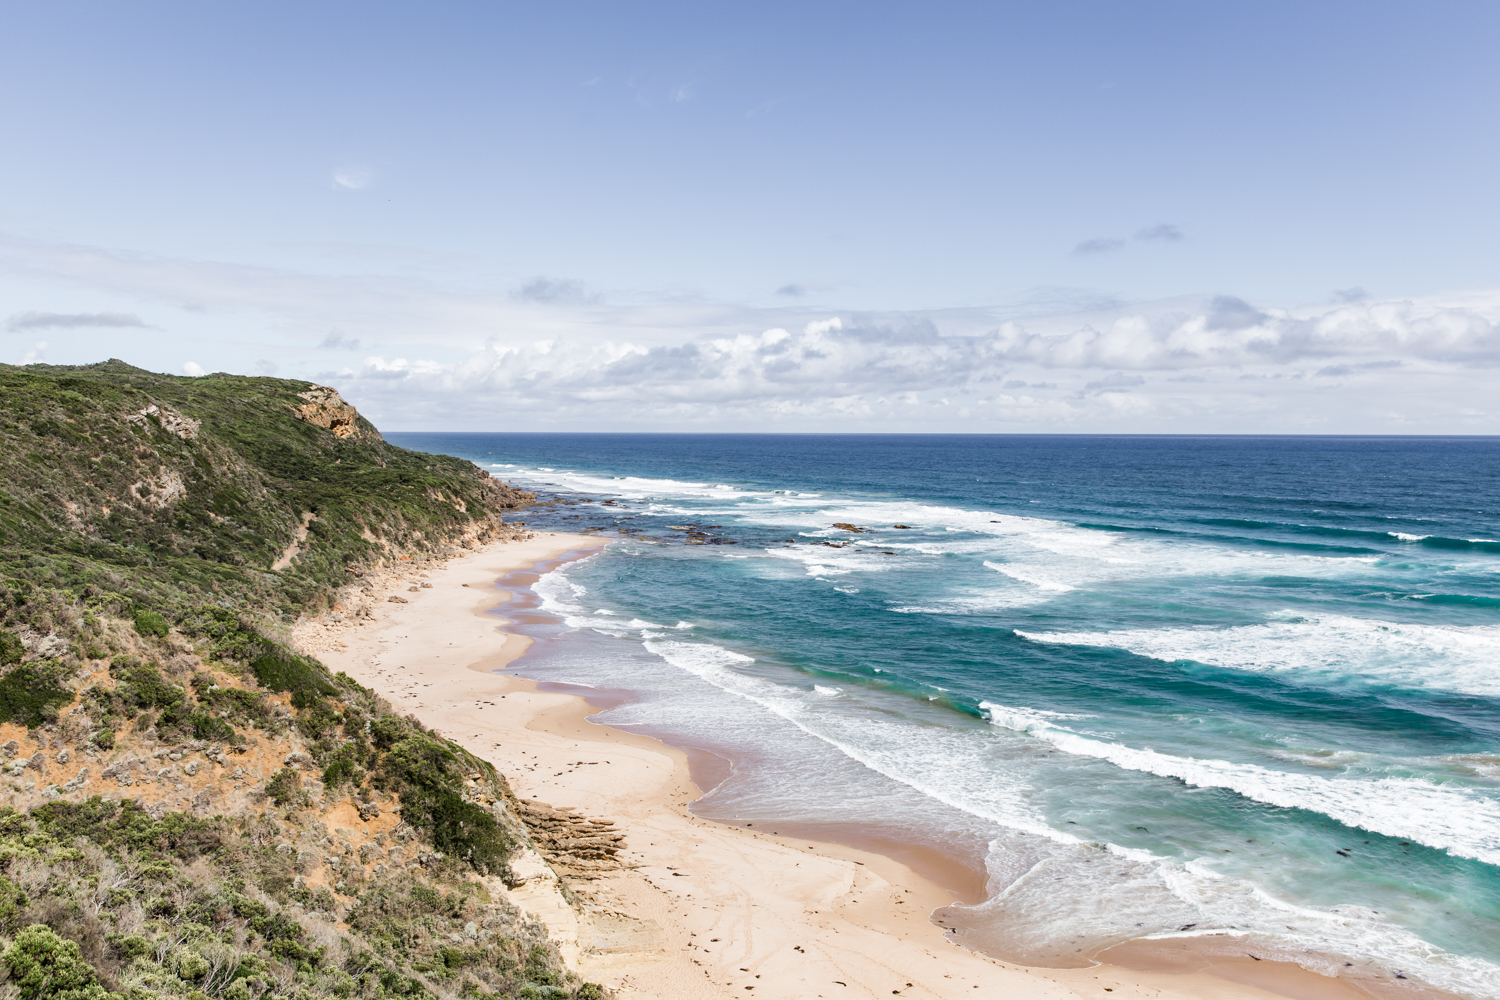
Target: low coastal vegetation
{"type": "Point", "coordinates": [191, 807]}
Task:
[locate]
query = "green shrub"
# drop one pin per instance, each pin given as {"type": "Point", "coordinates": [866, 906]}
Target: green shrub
{"type": "Point", "coordinates": [205, 726]}
{"type": "Point", "coordinates": [11, 649]}
{"type": "Point", "coordinates": [191, 965]}
{"type": "Point", "coordinates": [229, 638]}
{"type": "Point", "coordinates": [342, 771]}
{"type": "Point", "coordinates": [317, 720]}
{"type": "Point", "coordinates": [388, 730]}
{"type": "Point", "coordinates": [144, 687]}
{"type": "Point", "coordinates": [12, 902]}
{"type": "Point", "coordinates": [115, 823]}
{"type": "Point", "coordinates": [31, 693]}
{"type": "Point", "coordinates": [44, 966]}
{"type": "Point", "coordinates": [284, 787]}
{"type": "Point", "coordinates": [424, 771]}
{"type": "Point", "coordinates": [282, 670]}
{"type": "Point", "coordinates": [150, 623]}
{"type": "Point", "coordinates": [128, 946]}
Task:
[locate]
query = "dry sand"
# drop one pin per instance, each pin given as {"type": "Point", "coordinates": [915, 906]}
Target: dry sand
{"type": "Point", "coordinates": [699, 909]}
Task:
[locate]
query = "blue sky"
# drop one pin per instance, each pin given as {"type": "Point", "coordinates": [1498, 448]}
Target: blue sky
{"type": "Point", "coordinates": [576, 215]}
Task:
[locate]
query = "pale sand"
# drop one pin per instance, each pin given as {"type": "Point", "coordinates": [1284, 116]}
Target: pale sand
{"type": "Point", "coordinates": [706, 910]}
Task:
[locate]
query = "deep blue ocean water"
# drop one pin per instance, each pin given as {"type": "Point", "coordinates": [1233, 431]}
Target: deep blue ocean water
{"type": "Point", "coordinates": [1155, 687]}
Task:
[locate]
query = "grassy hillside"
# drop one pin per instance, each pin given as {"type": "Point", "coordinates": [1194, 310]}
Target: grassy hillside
{"type": "Point", "coordinates": [188, 807]}
{"type": "Point", "coordinates": [172, 489]}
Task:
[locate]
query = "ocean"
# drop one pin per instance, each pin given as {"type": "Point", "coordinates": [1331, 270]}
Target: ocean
{"type": "Point", "coordinates": [1151, 687]}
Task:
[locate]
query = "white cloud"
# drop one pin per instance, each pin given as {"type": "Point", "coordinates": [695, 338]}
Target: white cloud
{"type": "Point", "coordinates": [353, 178]}
{"type": "Point", "coordinates": [193, 369]}
{"type": "Point", "coordinates": [545, 353]}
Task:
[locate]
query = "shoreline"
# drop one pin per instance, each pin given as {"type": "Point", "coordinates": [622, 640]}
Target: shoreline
{"type": "Point", "coordinates": [702, 908]}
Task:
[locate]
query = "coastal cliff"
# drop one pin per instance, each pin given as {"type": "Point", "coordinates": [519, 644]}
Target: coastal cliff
{"type": "Point", "coordinates": [191, 806]}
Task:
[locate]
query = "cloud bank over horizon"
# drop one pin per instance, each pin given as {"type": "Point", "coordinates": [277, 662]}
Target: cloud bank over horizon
{"type": "Point", "coordinates": [556, 353]}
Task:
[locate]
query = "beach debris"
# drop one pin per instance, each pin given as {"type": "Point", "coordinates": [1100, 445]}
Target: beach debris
{"type": "Point", "coordinates": [396, 600]}
{"type": "Point", "coordinates": [848, 527]}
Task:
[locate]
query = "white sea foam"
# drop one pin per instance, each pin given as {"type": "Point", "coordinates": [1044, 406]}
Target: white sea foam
{"type": "Point", "coordinates": [1047, 557]}
{"type": "Point", "coordinates": [1461, 821]}
{"type": "Point", "coordinates": [960, 770]}
{"type": "Point", "coordinates": [1450, 658]}
{"type": "Point", "coordinates": [1033, 578]}
{"type": "Point", "coordinates": [1403, 536]}
{"type": "Point", "coordinates": [926, 758]}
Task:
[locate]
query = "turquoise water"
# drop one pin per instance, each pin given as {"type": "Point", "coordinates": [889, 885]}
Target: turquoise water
{"type": "Point", "coordinates": [1155, 687]}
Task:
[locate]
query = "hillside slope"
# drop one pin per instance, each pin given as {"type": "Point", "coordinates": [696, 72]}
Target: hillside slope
{"type": "Point", "coordinates": [255, 493]}
{"type": "Point", "coordinates": [189, 807]}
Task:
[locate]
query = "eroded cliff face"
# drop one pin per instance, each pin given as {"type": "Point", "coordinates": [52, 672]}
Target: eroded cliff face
{"type": "Point", "coordinates": [325, 408]}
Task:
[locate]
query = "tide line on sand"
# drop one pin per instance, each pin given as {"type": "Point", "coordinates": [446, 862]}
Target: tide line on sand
{"type": "Point", "coordinates": [664, 904]}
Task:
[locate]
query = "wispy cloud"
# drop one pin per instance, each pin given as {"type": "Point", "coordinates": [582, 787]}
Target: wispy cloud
{"type": "Point", "coordinates": [791, 291]}
{"type": "Point", "coordinates": [1339, 371]}
{"type": "Point", "coordinates": [1116, 382]}
{"type": "Point", "coordinates": [48, 320]}
{"type": "Point", "coordinates": [1163, 233]}
{"type": "Point", "coordinates": [337, 341]}
{"type": "Point", "coordinates": [353, 178]}
{"type": "Point", "coordinates": [1098, 245]}
{"type": "Point", "coordinates": [562, 291]}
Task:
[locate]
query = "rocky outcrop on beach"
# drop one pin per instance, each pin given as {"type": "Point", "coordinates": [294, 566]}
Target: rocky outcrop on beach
{"type": "Point", "coordinates": [575, 846]}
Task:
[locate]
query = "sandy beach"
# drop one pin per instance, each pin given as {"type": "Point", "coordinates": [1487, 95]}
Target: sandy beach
{"type": "Point", "coordinates": [697, 909]}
